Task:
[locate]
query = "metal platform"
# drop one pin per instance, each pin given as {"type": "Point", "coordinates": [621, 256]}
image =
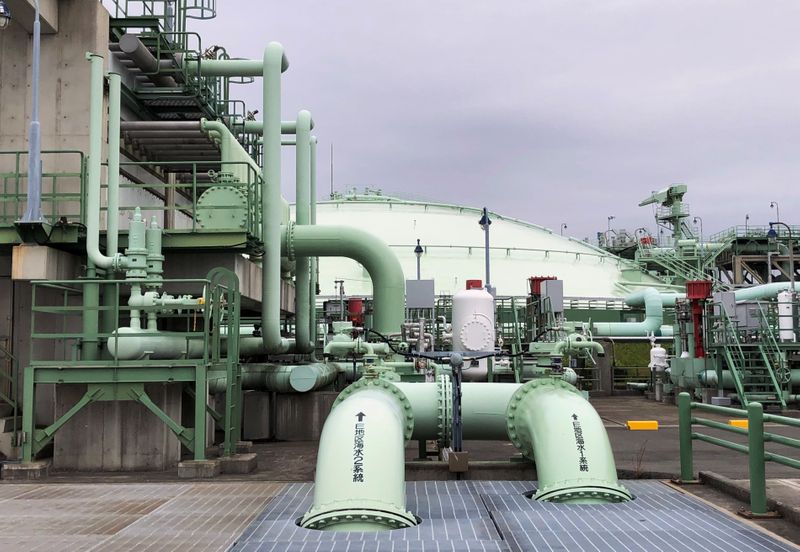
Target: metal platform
{"type": "Point", "coordinates": [495, 515]}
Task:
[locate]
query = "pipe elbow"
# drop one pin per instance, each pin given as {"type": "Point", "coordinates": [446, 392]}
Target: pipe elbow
{"type": "Point", "coordinates": [275, 57]}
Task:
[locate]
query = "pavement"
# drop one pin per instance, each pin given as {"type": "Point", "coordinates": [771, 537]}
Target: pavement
{"type": "Point", "coordinates": [120, 511]}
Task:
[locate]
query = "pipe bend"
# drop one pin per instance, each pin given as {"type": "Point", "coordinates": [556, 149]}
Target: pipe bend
{"type": "Point", "coordinates": [550, 422]}
{"type": "Point", "coordinates": [360, 479]}
{"type": "Point", "coordinates": [388, 280]}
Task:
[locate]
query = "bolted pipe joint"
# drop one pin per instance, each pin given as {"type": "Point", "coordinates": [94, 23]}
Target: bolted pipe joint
{"type": "Point", "coordinates": [360, 478]}
{"type": "Point", "coordinates": [550, 422]}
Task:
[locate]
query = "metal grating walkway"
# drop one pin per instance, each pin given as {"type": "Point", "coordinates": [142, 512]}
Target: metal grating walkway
{"type": "Point", "coordinates": [494, 515]}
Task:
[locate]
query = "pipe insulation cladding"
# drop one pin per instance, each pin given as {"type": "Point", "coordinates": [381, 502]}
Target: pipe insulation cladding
{"type": "Point", "coordinates": [551, 423]}
{"type": "Point", "coordinates": [360, 479]}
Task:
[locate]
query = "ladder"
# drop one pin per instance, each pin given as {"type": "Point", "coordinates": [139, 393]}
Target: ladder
{"type": "Point", "coordinates": [753, 376]}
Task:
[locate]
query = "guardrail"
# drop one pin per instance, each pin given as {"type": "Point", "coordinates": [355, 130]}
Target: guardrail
{"type": "Point", "coordinates": [756, 437]}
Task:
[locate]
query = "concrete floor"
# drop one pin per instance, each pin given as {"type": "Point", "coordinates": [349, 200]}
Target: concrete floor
{"type": "Point", "coordinates": [155, 511]}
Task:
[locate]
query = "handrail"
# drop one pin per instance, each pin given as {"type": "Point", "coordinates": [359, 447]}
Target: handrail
{"type": "Point", "coordinates": [756, 437]}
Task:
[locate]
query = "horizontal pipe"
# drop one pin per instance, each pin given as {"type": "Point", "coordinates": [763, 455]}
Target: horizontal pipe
{"type": "Point", "coordinates": [764, 291]}
{"type": "Point", "coordinates": [483, 409]}
{"type": "Point", "coordinates": [230, 67]}
{"type": "Point", "coordinates": [160, 125]}
{"type": "Point", "coordinates": [652, 324]}
{"type": "Point", "coordinates": [300, 378]}
{"type": "Point", "coordinates": [136, 51]}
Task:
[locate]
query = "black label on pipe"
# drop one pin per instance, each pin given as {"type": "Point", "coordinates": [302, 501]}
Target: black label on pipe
{"type": "Point", "coordinates": [358, 448]}
{"type": "Point", "coordinates": [583, 463]}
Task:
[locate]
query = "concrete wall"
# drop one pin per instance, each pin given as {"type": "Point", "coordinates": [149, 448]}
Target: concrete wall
{"type": "Point", "coordinates": [117, 436]}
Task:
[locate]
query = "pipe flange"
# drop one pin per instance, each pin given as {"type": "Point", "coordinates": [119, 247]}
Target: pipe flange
{"type": "Point", "coordinates": [513, 404]}
{"type": "Point", "coordinates": [444, 393]}
{"type": "Point", "coordinates": [389, 518]}
{"type": "Point", "coordinates": [582, 489]}
{"type": "Point", "coordinates": [383, 385]}
{"type": "Point", "coordinates": [288, 245]}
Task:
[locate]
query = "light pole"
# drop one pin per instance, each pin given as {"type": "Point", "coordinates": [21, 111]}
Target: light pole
{"type": "Point", "coordinates": [5, 15]}
{"type": "Point", "coordinates": [700, 220]}
{"type": "Point", "coordinates": [772, 235]}
{"type": "Point", "coordinates": [746, 220]}
{"type": "Point", "coordinates": [563, 227]}
{"type": "Point", "coordinates": [774, 205]}
{"type": "Point", "coordinates": [418, 251]}
{"type": "Point", "coordinates": [484, 223]}
{"type": "Point", "coordinates": [610, 218]}
{"type": "Point", "coordinates": [33, 211]}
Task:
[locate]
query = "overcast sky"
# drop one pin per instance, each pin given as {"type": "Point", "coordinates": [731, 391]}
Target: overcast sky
{"type": "Point", "coordinates": [550, 111]}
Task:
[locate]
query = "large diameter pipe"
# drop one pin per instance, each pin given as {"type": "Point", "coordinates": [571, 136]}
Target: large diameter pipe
{"type": "Point", "coordinates": [360, 478]}
{"type": "Point", "coordinates": [431, 405]}
{"type": "Point", "coordinates": [550, 422]}
{"type": "Point", "coordinates": [764, 291]}
{"type": "Point", "coordinates": [652, 324]}
{"type": "Point", "coordinates": [280, 378]}
{"type": "Point", "coordinates": [483, 409]}
{"type": "Point", "coordinates": [303, 307]}
{"type": "Point", "coordinates": [137, 52]}
{"type": "Point", "coordinates": [388, 281]}
{"type": "Point", "coordinates": [235, 67]}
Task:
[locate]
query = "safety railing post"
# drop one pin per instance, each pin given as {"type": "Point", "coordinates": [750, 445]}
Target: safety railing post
{"type": "Point", "coordinates": [685, 433]}
{"type": "Point", "coordinates": [755, 438]}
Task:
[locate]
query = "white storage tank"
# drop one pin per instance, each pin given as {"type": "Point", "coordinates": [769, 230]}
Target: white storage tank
{"type": "Point", "coordinates": [473, 327]}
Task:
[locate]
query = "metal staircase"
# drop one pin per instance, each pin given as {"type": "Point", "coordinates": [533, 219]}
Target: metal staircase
{"type": "Point", "coordinates": [749, 365]}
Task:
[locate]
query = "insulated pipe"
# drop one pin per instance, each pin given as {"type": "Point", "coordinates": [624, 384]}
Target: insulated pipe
{"type": "Point", "coordinates": [129, 126]}
{"type": "Point", "coordinates": [483, 409]}
{"type": "Point", "coordinates": [652, 324]}
{"type": "Point", "coordinates": [112, 211]}
{"type": "Point", "coordinates": [345, 348]}
{"type": "Point", "coordinates": [388, 281]}
{"type": "Point", "coordinates": [236, 67]}
{"type": "Point", "coordinates": [93, 169]}
{"type": "Point", "coordinates": [303, 303]}
{"type": "Point", "coordinates": [279, 378]}
{"type": "Point", "coordinates": [132, 47]}
{"type": "Point", "coordinates": [550, 422]}
{"type": "Point", "coordinates": [272, 67]}
{"type": "Point", "coordinates": [764, 291]}
{"type": "Point", "coordinates": [256, 127]}
{"type": "Point", "coordinates": [313, 282]}
{"type": "Point", "coordinates": [637, 298]}
{"type": "Point", "coordinates": [708, 378]}
{"type": "Point", "coordinates": [360, 478]}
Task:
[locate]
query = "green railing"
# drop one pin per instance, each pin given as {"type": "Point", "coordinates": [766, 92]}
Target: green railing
{"type": "Point", "coordinates": [750, 231]}
{"type": "Point", "coordinates": [177, 198]}
{"type": "Point", "coordinates": [59, 311]}
{"type": "Point", "coordinates": [756, 437]}
{"type": "Point", "coordinates": [63, 181]}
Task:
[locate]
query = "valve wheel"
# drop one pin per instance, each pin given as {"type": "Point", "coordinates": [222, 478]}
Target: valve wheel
{"type": "Point", "coordinates": [783, 374]}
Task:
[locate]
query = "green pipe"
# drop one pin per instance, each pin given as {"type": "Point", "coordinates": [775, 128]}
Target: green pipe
{"type": "Point", "coordinates": [90, 315]}
{"type": "Point", "coordinates": [94, 167]}
{"type": "Point", "coordinates": [764, 291]}
{"type": "Point", "coordinates": [574, 343]}
{"type": "Point", "coordinates": [637, 298]}
{"type": "Point", "coordinates": [303, 303]}
{"type": "Point", "coordinates": [388, 281]}
{"type": "Point", "coordinates": [313, 282]}
{"type": "Point", "coordinates": [550, 422]}
{"type": "Point", "coordinates": [233, 67]}
{"type": "Point", "coordinates": [218, 129]}
{"type": "Point", "coordinates": [256, 127]}
{"type": "Point", "coordinates": [112, 213]}
{"type": "Point", "coordinates": [652, 324]}
{"type": "Point", "coordinates": [274, 64]}
{"type": "Point", "coordinates": [483, 409]}
{"type": "Point", "coordinates": [280, 378]}
{"type": "Point", "coordinates": [431, 405]}
{"type": "Point", "coordinates": [708, 378]}
{"type": "Point", "coordinates": [360, 478]}
{"type": "Point", "coordinates": [342, 349]}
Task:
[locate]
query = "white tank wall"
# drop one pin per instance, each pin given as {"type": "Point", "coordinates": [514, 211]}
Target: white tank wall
{"type": "Point", "coordinates": [454, 251]}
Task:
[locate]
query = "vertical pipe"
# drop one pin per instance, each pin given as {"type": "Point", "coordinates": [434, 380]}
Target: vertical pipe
{"type": "Point", "coordinates": [271, 201]}
{"type": "Point", "coordinates": [112, 213]}
{"type": "Point", "coordinates": [33, 212]}
{"type": "Point", "coordinates": [314, 260]}
{"type": "Point", "coordinates": [303, 216]}
{"type": "Point", "coordinates": [685, 436]}
{"type": "Point", "coordinates": [755, 439]}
